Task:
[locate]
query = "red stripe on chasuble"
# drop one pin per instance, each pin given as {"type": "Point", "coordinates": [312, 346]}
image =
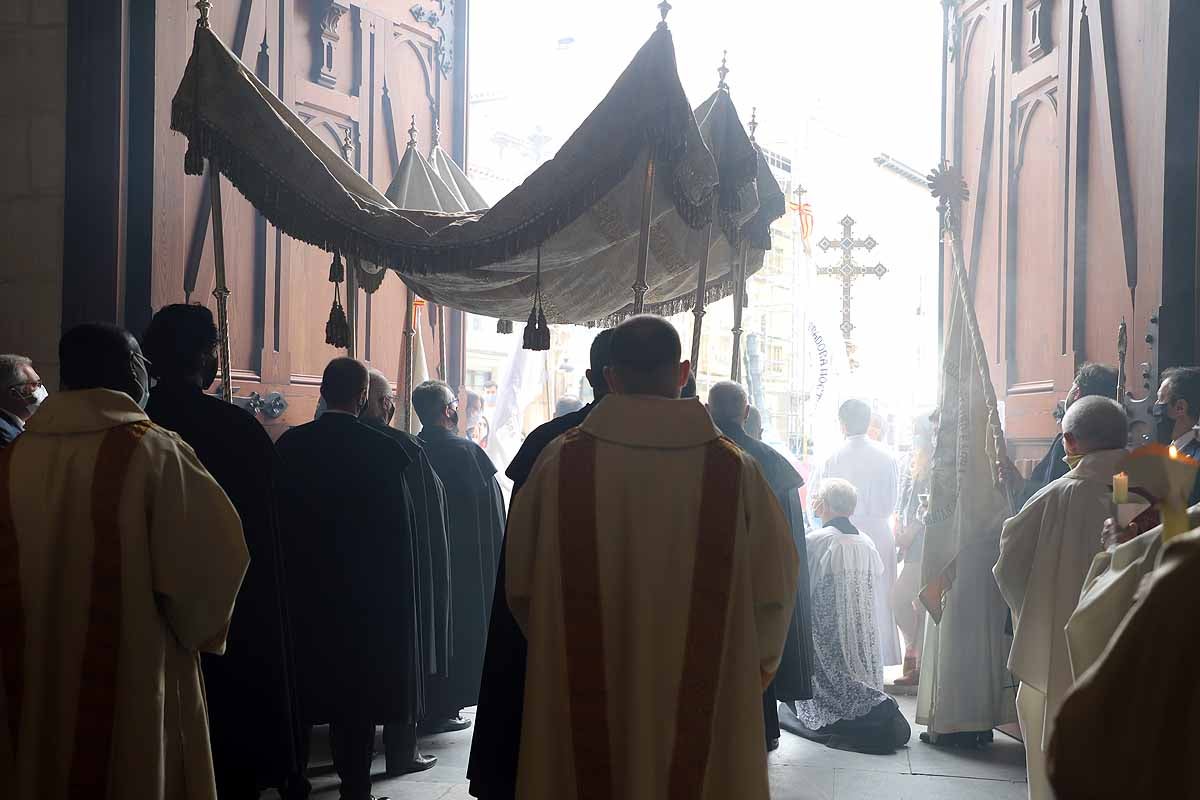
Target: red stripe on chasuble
{"type": "Point", "coordinates": [583, 624]}
{"type": "Point", "coordinates": [12, 615]}
{"type": "Point", "coordinates": [712, 585]}
{"type": "Point", "coordinates": [92, 751]}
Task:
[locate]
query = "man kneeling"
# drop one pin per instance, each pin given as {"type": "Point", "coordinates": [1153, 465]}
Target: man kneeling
{"type": "Point", "coordinates": [849, 710]}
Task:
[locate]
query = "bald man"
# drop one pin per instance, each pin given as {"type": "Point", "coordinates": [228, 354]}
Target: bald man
{"type": "Point", "coordinates": [428, 498]}
{"type": "Point", "coordinates": [1045, 553]}
{"type": "Point", "coordinates": [348, 546]}
{"type": "Point", "coordinates": [653, 575]}
{"type": "Point", "coordinates": [730, 407]}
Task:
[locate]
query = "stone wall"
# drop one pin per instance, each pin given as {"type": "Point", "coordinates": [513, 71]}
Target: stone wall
{"type": "Point", "coordinates": [33, 101]}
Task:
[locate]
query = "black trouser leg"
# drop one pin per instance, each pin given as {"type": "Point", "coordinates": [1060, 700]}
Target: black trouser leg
{"type": "Point", "coordinates": [399, 745]}
{"type": "Point", "coordinates": [352, 745]}
{"type": "Point", "coordinates": [236, 782]}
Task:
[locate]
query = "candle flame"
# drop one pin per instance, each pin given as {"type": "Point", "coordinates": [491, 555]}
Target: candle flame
{"type": "Point", "coordinates": [1174, 451]}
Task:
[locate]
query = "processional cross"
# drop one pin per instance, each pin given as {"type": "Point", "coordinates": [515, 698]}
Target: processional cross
{"type": "Point", "coordinates": [847, 268]}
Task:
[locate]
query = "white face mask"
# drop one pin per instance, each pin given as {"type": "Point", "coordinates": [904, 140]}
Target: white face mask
{"type": "Point", "coordinates": [37, 398]}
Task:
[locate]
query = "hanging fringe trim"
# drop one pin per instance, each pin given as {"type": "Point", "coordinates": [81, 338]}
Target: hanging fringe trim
{"type": "Point", "coordinates": [663, 129]}
{"type": "Point", "coordinates": [368, 281]}
{"type": "Point", "coordinates": [717, 290]}
{"type": "Point", "coordinates": [504, 326]}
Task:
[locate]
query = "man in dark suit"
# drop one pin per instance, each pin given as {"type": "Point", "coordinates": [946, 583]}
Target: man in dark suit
{"type": "Point", "coordinates": [493, 767]}
{"type": "Point", "coordinates": [349, 546]}
{"type": "Point", "coordinates": [1178, 412]}
{"type": "Point", "coordinates": [729, 406]}
{"type": "Point", "coordinates": [251, 688]}
{"type": "Point", "coordinates": [21, 392]}
{"type": "Point", "coordinates": [475, 510]}
{"type": "Point", "coordinates": [428, 498]}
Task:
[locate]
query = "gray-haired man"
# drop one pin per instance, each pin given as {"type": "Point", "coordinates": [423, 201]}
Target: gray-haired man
{"type": "Point", "coordinates": [21, 392]}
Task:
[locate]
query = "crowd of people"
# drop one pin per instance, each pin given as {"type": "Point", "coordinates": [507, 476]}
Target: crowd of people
{"type": "Point", "coordinates": [182, 600]}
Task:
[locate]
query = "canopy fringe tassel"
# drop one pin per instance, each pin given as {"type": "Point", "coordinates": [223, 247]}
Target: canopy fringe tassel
{"type": "Point", "coordinates": [337, 329]}
{"type": "Point", "coordinates": [537, 330]}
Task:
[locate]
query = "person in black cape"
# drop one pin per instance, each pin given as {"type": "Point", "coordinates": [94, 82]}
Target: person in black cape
{"type": "Point", "coordinates": [492, 770]}
{"type": "Point", "coordinates": [348, 543]}
{"type": "Point", "coordinates": [475, 509]}
{"type": "Point", "coordinates": [729, 406]}
{"type": "Point", "coordinates": [432, 559]}
{"type": "Point", "coordinates": [254, 729]}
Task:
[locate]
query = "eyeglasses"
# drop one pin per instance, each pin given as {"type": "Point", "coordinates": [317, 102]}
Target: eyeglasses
{"type": "Point", "coordinates": [32, 385]}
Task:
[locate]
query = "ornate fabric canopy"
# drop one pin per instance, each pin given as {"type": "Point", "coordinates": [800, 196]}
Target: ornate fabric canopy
{"type": "Point", "coordinates": [578, 214]}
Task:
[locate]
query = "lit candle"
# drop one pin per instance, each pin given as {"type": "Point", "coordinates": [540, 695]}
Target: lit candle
{"type": "Point", "coordinates": [1173, 452]}
{"type": "Point", "coordinates": [1120, 490]}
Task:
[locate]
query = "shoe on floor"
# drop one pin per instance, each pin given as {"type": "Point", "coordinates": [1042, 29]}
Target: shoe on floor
{"type": "Point", "coordinates": [449, 725]}
{"type": "Point", "coordinates": [419, 764]}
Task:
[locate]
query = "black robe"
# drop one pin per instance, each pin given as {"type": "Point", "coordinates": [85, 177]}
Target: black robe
{"type": "Point", "coordinates": [250, 690]}
{"type": "Point", "coordinates": [428, 498]}
{"type": "Point", "coordinates": [475, 511]}
{"type": "Point", "coordinates": [793, 681]}
{"type": "Point", "coordinates": [496, 744]}
{"type": "Point", "coordinates": [349, 545]}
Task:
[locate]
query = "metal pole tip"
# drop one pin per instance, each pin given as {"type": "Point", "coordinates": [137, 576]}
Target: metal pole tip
{"type": "Point", "coordinates": [664, 8]}
{"type": "Point", "coordinates": [203, 6]}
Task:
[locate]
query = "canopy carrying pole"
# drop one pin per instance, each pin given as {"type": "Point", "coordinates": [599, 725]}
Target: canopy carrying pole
{"type": "Point", "coordinates": [701, 281]}
{"type": "Point", "coordinates": [444, 366]}
{"type": "Point", "coordinates": [409, 332]}
{"type": "Point", "coordinates": [221, 290]}
{"type": "Point", "coordinates": [640, 285]}
{"type": "Point", "coordinates": [702, 277]}
{"type": "Point", "coordinates": [739, 300]}
{"type": "Point", "coordinates": [351, 268]}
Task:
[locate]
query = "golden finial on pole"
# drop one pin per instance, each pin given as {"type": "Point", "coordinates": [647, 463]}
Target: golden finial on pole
{"type": "Point", "coordinates": [412, 131]}
{"type": "Point", "coordinates": [723, 71]}
{"type": "Point", "coordinates": [753, 125]}
{"type": "Point", "coordinates": [347, 145]}
{"type": "Point", "coordinates": [664, 8]}
{"type": "Point", "coordinates": [203, 6]}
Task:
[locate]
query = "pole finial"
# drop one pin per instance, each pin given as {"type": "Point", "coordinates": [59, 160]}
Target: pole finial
{"type": "Point", "coordinates": [437, 131]}
{"type": "Point", "coordinates": [412, 131]}
{"type": "Point", "coordinates": [347, 145]}
{"type": "Point", "coordinates": [753, 126]}
{"type": "Point", "coordinates": [723, 71]}
{"type": "Point", "coordinates": [203, 6]}
{"type": "Point", "coordinates": [664, 8]}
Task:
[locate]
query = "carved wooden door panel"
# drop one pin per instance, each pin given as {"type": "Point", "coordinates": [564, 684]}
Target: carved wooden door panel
{"type": "Point", "coordinates": [357, 73]}
{"type": "Point", "coordinates": [1052, 116]}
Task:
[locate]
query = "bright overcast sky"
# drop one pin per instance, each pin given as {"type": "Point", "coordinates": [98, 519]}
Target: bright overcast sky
{"type": "Point", "coordinates": [866, 69]}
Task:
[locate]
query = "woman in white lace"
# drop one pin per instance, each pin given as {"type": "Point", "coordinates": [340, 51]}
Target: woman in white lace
{"type": "Point", "coordinates": [849, 709]}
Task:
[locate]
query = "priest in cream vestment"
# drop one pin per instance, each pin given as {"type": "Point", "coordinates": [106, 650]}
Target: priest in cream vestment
{"type": "Point", "coordinates": [1136, 705]}
{"type": "Point", "coordinates": [653, 574]}
{"type": "Point", "coordinates": [1045, 553]}
{"type": "Point", "coordinates": [120, 558]}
